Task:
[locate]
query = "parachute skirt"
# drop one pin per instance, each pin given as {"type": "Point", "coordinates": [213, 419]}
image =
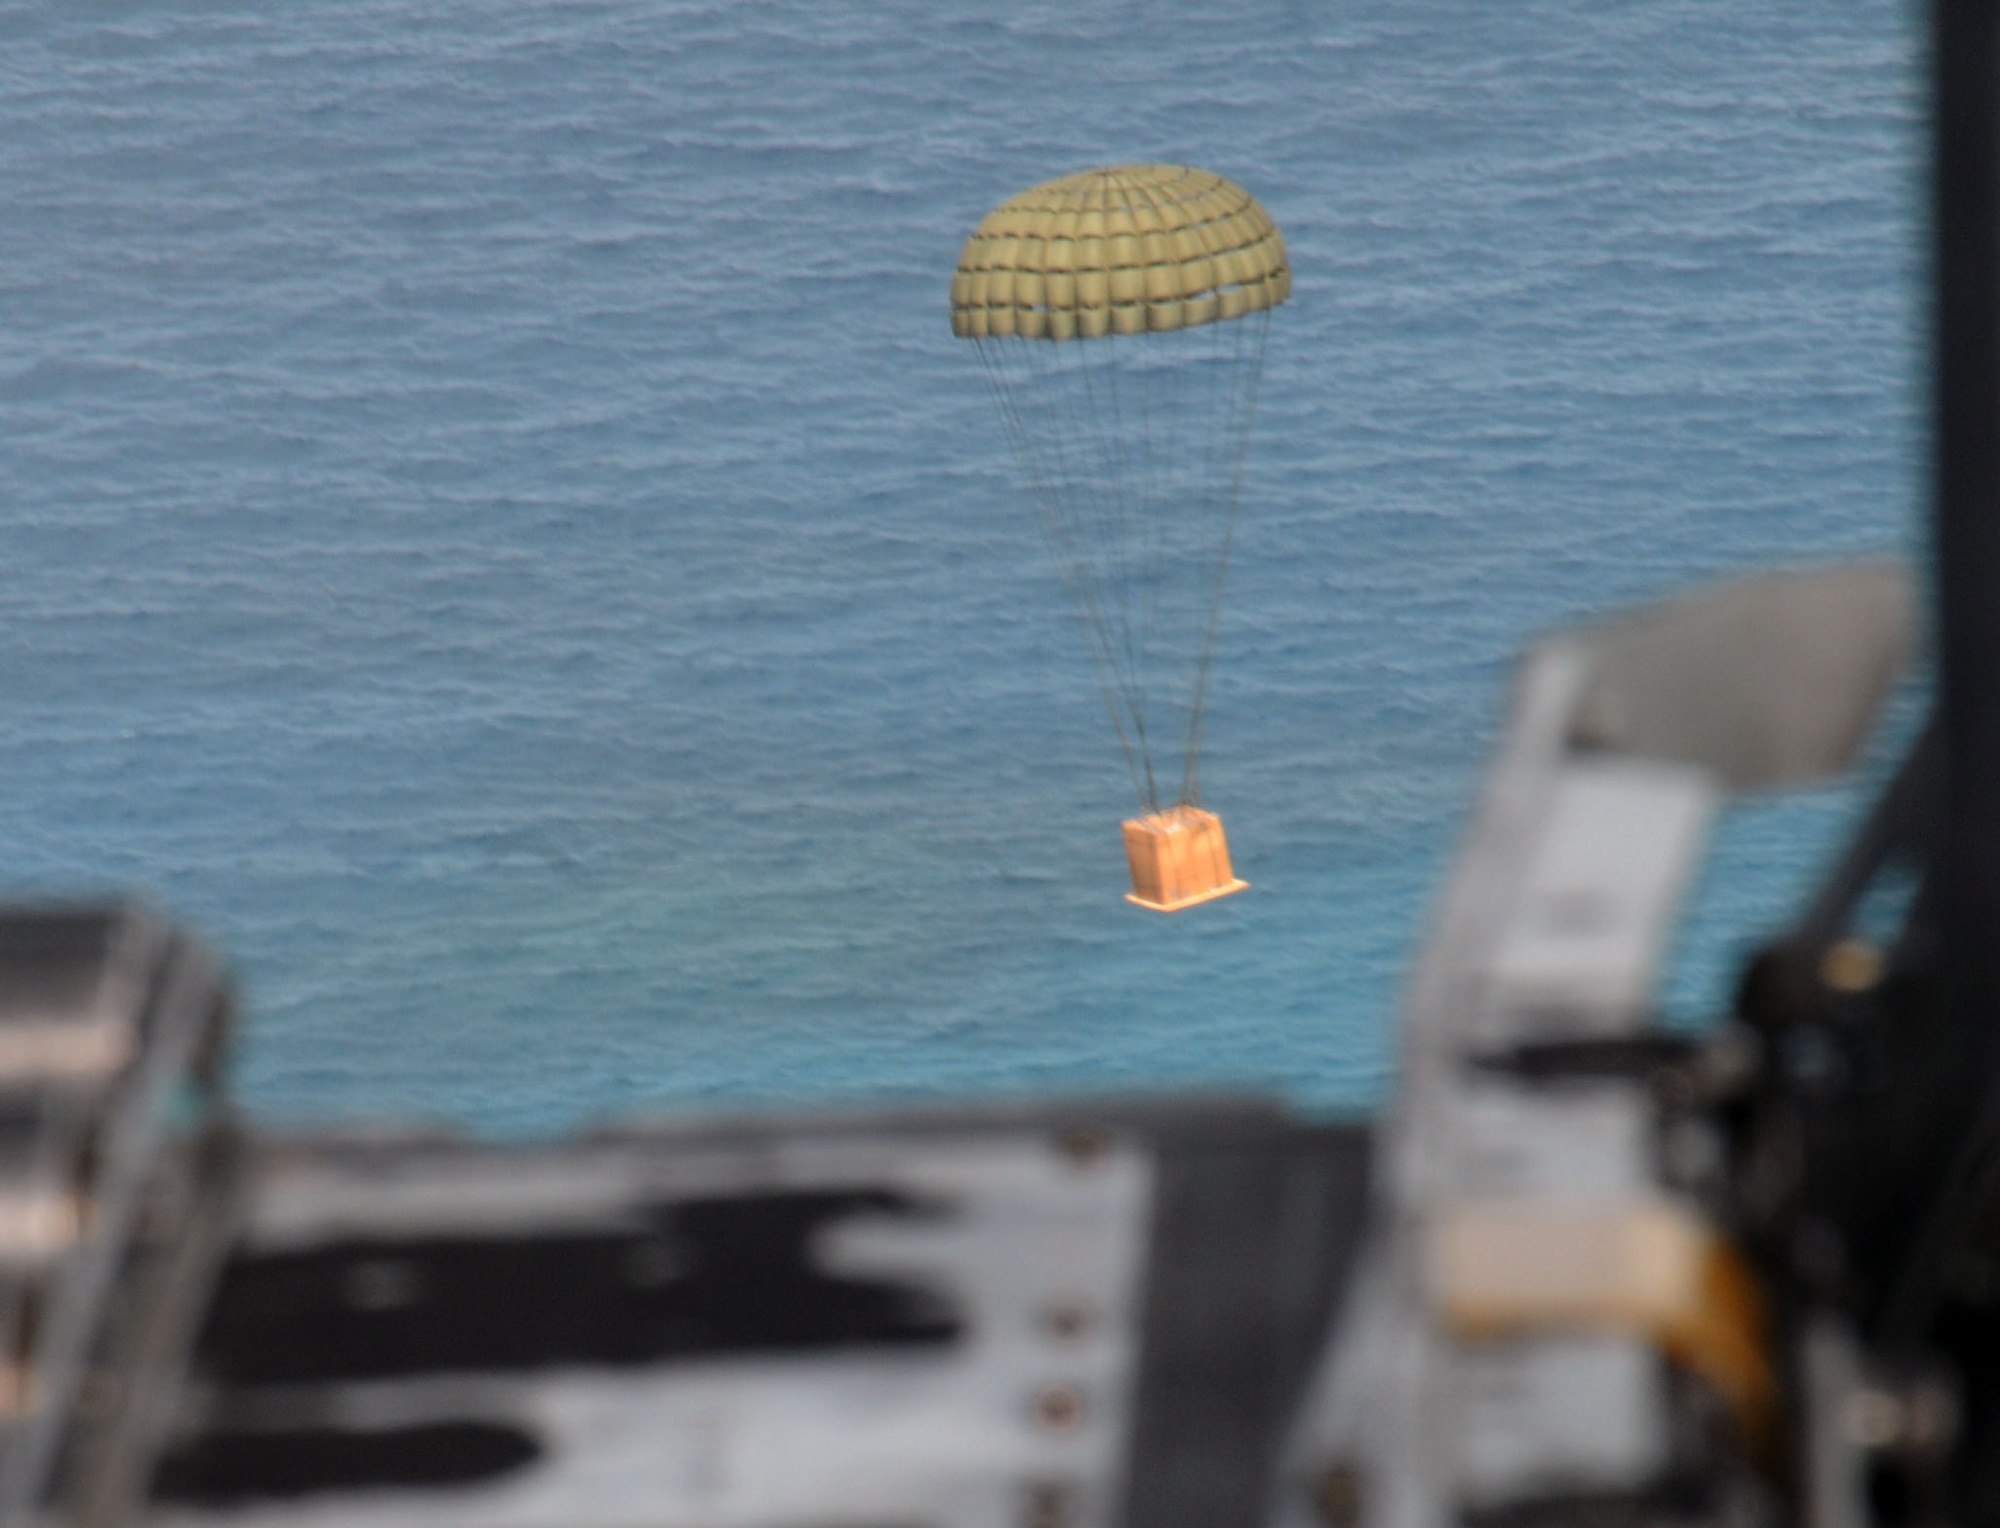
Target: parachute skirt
{"type": "Point", "coordinates": [1180, 858]}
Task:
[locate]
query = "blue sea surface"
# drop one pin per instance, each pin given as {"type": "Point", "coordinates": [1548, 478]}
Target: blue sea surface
{"type": "Point", "coordinates": [498, 532]}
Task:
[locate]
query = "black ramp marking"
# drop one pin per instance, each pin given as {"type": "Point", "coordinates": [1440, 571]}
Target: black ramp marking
{"type": "Point", "coordinates": [713, 1277]}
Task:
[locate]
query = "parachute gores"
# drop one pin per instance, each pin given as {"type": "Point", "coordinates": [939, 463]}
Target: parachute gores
{"type": "Point", "coordinates": [1122, 316]}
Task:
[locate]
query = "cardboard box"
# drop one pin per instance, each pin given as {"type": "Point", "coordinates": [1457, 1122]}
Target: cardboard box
{"type": "Point", "coordinates": [1180, 858]}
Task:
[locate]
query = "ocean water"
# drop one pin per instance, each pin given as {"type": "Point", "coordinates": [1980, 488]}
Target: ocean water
{"type": "Point", "coordinates": [498, 533]}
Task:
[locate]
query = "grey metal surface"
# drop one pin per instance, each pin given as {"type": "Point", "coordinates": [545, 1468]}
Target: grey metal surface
{"type": "Point", "coordinates": [111, 1031]}
{"type": "Point", "coordinates": [1618, 843]}
{"type": "Point", "coordinates": [1254, 1235]}
{"type": "Point", "coordinates": [1138, 1290]}
{"type": "Point", "coordinates": [1833, 1467]}
{"type": "Point", "coordinates": [1521, 1141]}
{"type": "Point", "coordinates": [1762, 682]}
{"type": "Point", "coordinates": [1036, 1238]}
{"type": "Point", "coordinates": [1567, 1416]}
{"type": "Point", "coordinates": [1588, 831]}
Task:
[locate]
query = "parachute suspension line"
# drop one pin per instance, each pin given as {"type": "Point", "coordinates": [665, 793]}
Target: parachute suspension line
{"type": "Point", "coordinates": [1196, 482]}
{"type": "Point", "coordinates": [1046, 485]}
{"type": "Point", "coordinates": [1144, 543]}
{"type": "Point", "coordinates": [1243, 410]}
{"type": "Point", "coordinates": [1104, 493]}
{"type": "Point", "coordinates": [1048, 498]}
{"type": "Point", "coordinates": [1247, 377]}
{"type": "Point", "coordinates": [1133, 447]}
{"type": "Point", "coordinates": [1221, 515]}
{"type": "Point", "coordinates": [1098, 510]}
{"type": "Point", "coordinates": [1133, 521]}
{"type": "Point", "coordinates": [1047, 481]}
{"type": "Point", "coordinates": [1150, 563]}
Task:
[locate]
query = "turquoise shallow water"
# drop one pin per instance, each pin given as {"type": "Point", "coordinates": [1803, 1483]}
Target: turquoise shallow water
{"type": "Point", "coordinates": [499, 534]}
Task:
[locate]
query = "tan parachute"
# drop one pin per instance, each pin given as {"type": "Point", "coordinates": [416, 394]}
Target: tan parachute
{"type": "Point", "coordinates": [1122, 316]}
{"type": "Point", "coordinates": [1141, 249]}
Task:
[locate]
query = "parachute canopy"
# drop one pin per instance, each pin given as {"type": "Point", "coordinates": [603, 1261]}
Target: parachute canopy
{"type": "Point", "coordinates": [1158, 283]}
{"type": "Point", "coordinates": [1141, 249]}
